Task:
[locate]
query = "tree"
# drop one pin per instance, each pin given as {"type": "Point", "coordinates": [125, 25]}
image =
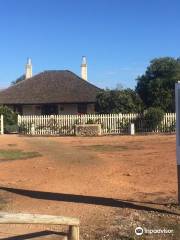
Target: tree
{"type": "Point", "coordinates": [156, 86]}
{"type": "Point", "coordinates": [153, 118]}
{"type": "Point", "coordinates": [118, 101]}
{"type": "Point", "coordinates": [10, 119]}
{"type": "Point", "coordinates": [19, 79]}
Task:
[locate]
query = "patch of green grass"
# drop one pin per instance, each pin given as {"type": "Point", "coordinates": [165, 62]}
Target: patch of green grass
{"type": "Point", "coordinates": [105, 148]}
{"type": "Point", "coordinates": [17, 154]}
{"type": "Point", "coordinates": [111, 148]}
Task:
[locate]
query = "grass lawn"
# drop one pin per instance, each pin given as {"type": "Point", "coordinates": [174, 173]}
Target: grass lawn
{"type": "Point", "coordinates": [17, 154]}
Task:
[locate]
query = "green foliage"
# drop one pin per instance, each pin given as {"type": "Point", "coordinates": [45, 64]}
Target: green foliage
{"type": "Point", "coordinates": [95, 121]}
{"type": "Point", "coordinates": [23, 128]}
{"type": "Point", "coordinates": [123, 125]}
{"type": "Point", "coordinates": [170, 128]}
{"type": "Point", "coordinates": [156, 86]}
{"type": "Point", "coordinates": [90, 121]}
{"type": "Point", "coordinates": [10, 118]}
{"type": "Point", "coordinates": [11, 128]}
{"type": "Point", "coordinates": [118, 101]}
{"type": "Point", "coordinates": [153, 118]}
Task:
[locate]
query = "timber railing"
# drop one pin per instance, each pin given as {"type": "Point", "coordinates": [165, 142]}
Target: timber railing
{"type": "Point", "coordinates": [110, 123]}
{"type": "Point", "coordinates": [19, 218]}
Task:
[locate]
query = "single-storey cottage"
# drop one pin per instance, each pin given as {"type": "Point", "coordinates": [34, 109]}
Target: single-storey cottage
{"type": "Point", "coordinates": [51, 92]}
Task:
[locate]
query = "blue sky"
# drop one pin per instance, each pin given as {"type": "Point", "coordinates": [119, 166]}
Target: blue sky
{"type": "Point", "coordinates": [119, 37]}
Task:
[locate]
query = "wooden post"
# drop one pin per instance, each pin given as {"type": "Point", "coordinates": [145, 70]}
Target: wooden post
{"type": "Point", "coordinates": [32, 129]}
{"type": "Point", "coordinates": [177, 101]}
{"type": "Point", "coordinates": [20, 218]}
{"type": "Point", "coordinates": [131, 129]}
{"type": "Point", "coordinates": [178, 182]}
{"type": "Point", "coordinates": [2, 124]}
{"type": "Point", "coordinates": [73, 233]}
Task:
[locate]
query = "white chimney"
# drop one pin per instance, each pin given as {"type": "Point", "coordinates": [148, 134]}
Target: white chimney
{"type": "Point", "coordinates": [84, 68]}
{"type": "Point", "coordinates": [28, 69]}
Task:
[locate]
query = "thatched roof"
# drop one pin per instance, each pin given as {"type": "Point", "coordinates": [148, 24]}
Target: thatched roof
{"type": "Point", "coordinates": [50, 87]}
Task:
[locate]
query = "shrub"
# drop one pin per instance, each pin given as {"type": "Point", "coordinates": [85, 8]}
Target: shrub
{"type": "Point", "coordinates": [95, 121]}
{"type": "Point", "coordinates": [23, 128]}
{"type": "Point", "coordinates": [118, 101]}
{"type": "Point", "coordinates": [123, 125]}
{"type": "Point", "coordinates": [10, 119]}
{"type": "Point", "coordinates": [153, 118]}
{"type": "Point", "coordinates": [90, 121]}
{"type": "Point", "coordinates": [139, 123]}
{"type": "Point", "coordinates": [172, 127]}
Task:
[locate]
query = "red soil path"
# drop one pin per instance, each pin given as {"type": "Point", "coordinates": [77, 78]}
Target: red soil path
{"type": "Point", "coordinates": [86, 177]}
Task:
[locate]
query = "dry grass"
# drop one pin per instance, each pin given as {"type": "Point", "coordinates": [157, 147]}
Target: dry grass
{"type": "Point", "coordinates": [111, 148]}
{"type": "Point", "coordinates": [16, 154]}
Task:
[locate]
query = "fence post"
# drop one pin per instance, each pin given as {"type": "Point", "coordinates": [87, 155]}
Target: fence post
{"type": "Point", "coordinates": [73, 233]}
{"type": "Point", "coordinates": [33, 129]}
{"type": "Point", "coordinates": [177, 103]}
{"type": "Point", "coordinates": [2, 124]}
{"type": "Point", "coordinates": [131, 129]}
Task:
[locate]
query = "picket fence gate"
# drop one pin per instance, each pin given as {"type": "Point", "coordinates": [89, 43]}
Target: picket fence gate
{"type": "Point", "coordinates": [110, 123]}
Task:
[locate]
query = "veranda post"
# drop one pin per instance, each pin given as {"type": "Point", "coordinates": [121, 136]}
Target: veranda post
{"type": "Point", "coordinates": [177, 101]}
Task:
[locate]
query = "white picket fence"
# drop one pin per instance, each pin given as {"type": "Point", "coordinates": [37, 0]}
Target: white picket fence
{"type": "Point", "coordinates": [110, 123]}
{"type": "Point", "coordinates": [1, 124]}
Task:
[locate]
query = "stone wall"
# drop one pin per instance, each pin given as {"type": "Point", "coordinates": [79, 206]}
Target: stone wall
{"type": "Point", "coordinates": [88, 130]}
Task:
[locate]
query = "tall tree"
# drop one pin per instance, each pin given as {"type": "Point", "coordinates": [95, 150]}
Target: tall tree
{"type": "Point", "coordinates": [156, 86]}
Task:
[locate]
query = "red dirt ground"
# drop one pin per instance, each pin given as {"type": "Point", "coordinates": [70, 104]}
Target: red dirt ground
{"type": "Point", "coordinates": [95, 179]}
